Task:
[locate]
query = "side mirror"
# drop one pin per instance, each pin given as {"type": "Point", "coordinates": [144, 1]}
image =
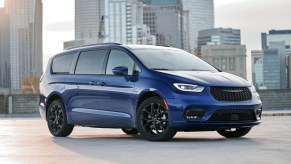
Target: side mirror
{"type": "Point", "coordinates": [120, 71]}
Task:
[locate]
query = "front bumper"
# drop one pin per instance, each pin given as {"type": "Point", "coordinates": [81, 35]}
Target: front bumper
{"type": "Point", "coordinates": [182, 103]}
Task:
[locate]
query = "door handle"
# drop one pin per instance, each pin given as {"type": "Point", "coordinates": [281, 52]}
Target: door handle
{"type": "Point", "coordinates": [102, 84]}
{"type": "Point", "coordinates": [92, 83]}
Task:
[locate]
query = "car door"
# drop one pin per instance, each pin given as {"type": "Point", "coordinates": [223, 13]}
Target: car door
{"type": "Point", "coordinates": [83, 87]}
{"type": "Point", "coordinates": [117, 93]}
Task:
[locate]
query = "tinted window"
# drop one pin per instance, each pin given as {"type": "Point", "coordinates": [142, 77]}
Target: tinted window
{"type": "Point", "coordinates": [90, 62]}
{"type": "Point", "coordinates": [119, 58]}
{"type": "Point", "coordinates": [62, 64]}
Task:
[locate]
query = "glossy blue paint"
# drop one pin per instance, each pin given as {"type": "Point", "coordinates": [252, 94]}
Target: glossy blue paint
{"type": "Point", "coordinates": [111, 100]}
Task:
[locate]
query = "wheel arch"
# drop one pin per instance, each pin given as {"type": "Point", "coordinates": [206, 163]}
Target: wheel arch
{"type": "Point", "coordinates": [147, 94]}
{"type": "Point", "coordinates": [51, 98]}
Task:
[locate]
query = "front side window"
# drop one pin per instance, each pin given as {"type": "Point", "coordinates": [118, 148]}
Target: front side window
{"type": "Point", "coordinates": [62, 64]}
{"type": "Point", "coordinates": [119, 58]}
{"type": "Point", "coordinates": [90, 62]}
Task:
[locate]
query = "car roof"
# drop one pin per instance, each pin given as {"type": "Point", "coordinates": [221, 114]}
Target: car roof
{"type": "Point", "coordinates": [116, 45]}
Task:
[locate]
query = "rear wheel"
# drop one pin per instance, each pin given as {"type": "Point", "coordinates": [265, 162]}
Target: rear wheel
{"type": "Point", "coordinates": [129, 130]}
{"type": "Point", "coordinates": [57, 119]}
{"type": "Point", "coordinates": [234, 132]}
{"type": "Point", "coordinates": [153, 120]}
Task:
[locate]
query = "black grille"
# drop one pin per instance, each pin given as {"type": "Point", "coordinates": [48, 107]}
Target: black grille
{"type": "Point", "coordinates": [231, 93]}
{"type": "Point", "coordinates": [233, 115]}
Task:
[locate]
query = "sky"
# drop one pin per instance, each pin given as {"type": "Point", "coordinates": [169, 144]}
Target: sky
{"type": "Point", "coordinates": [251, 16]}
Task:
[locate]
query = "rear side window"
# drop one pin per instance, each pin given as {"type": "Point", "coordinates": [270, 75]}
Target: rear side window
{"type": "Point", "coordinates": [62, 64]}
{"type": "Point", "coordinates": [90, 62]}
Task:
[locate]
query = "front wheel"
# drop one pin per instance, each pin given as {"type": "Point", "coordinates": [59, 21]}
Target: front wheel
{"type": "Point", "coordinates": [153, 120]}
{"type": "Point", "coordinates": [234, 132]}
{"type": "Point", "coordinates": [57, 119]}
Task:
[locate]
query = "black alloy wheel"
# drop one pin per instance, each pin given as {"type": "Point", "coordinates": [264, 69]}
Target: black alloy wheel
{"type": "Point", "coordinates": [152, 120]}
{"type": "Point", "coordinates": [57, 120]}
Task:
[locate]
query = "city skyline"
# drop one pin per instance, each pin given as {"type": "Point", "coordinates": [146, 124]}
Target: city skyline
{"type": "Point", "coordinates": [22, 44]}
{"type": "Point", "coordinates": [59, 25]}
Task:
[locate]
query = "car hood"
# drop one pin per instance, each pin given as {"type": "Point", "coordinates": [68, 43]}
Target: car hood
{"type": "Point", "coordinates": [208, 78]}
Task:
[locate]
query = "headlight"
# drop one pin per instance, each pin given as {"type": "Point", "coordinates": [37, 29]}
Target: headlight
{"type": "Point", "coordinates": [253, 89]}
{"type": "Point", "coordinates": [189, 87]}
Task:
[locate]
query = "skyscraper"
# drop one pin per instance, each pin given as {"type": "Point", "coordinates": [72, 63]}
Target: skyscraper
{"type": "Point", "coordinates": [124, 23]}
{"type": "Point", "coordinates": [274, 66]}
{"type": "Point", "coordinates": [25, 38]}
{"type": "Point", "coordinates": [222, 48]}
{"type": "Point", "coordinates": [168, 22]}
{"type": "Point", "coordinates": [4, 50]}
{"type": "Point", "coordinates": [88, 20]}
{"type": "Point", "coordinates": [277, 36]}
{"type": "Point", "coordinates": [219, 36]}
{"type": "Point", "coordinates": [257, 68]}
{"type": "Point", "coordinates": [201, 16]}
{"type": "Point", "coordinates": [276, 50]}
{"type": "Point", "coordinates": [98, 21]}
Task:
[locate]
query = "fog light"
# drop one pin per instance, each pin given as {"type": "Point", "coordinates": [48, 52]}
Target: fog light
{"type": "Point", "coordinates": [259, 113]}
{"type": "Point", "coordinates": [194, 114]}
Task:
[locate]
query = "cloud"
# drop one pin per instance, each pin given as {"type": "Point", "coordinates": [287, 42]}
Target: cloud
{"type": "Point", "coordinates": [63, 26]}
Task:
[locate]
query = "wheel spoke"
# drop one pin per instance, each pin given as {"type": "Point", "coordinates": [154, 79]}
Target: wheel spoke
{"type": "Point", "coordinates": [152, 109]}
{"type": "Point", "coordinates": [147, 112]}
{"type": "Point", "coordinates": [148, 122]}
{"type": "Point", "coordinates": [154, 118]}
{"type": "Point", "coordinates": [161, 114]}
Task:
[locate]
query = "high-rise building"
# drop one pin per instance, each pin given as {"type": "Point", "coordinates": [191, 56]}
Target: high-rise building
{"type": "Point", "coordinates": [274, 66]}
{"type": "Point", "coordinates": [288, 66]}
{"type": "Point", "coordinates": [89, 15]}
{"type": "Point", "coordinates": [98, 21]}
{"type": "Point", "coordinates": [169, 23]}
{"type": "Point", "coordinates": [219, 36]}
{"type": "Point", "coordinates": [4, 50]}
{"type": "Point", "coordinates": [276, 36]}
{"type": "Point", "coordinates": [123, 23]}
{"type": "Point", "coordinates": [25, 40]}
{"type": "Point", "coordinates": [257, 68]}
{"type": "Point", "coordinates": [228, 58]}
{"type": "Point", "coordinates": [222, 48]}
{"type": "Point", "coordinates": [276, 50]}
{"type": "Point", "coordinates": [201, 16]}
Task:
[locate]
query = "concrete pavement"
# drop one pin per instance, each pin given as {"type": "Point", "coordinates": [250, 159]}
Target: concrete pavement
{"type": "Point", "coordinates": [27, 140]}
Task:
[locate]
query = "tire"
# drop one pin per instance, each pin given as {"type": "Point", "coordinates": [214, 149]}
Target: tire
{"type": "Point", "coordinates": [238, 132]}
{"type": "Point", "coordinates": [57, 119]}
{"type": "Point", "coordinates": [152, 120]}
{"type": "Point", "coordinates": [129, 131]}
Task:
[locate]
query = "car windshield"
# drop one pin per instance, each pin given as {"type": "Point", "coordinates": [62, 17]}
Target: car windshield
{"type": "Point", "coordinates": [172, 60]}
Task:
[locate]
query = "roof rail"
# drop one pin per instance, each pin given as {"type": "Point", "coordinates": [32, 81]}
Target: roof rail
{"type": "Point", "coordinates": [98, 44]}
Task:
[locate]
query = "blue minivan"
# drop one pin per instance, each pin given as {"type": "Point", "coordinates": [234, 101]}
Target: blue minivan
{"type": "Point", "coordinates": [152, 90]}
